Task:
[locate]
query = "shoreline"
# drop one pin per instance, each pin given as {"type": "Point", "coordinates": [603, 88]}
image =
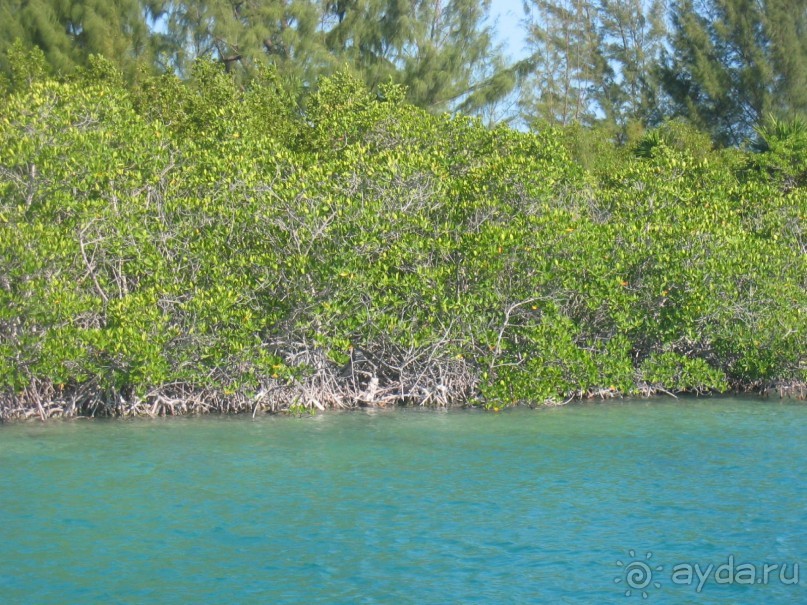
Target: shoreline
{"type": "Point", "coordinates": [286, 399]}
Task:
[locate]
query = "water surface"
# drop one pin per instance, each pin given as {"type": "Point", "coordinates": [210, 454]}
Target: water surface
{"type": "Point", "coordinates": [546, 506]}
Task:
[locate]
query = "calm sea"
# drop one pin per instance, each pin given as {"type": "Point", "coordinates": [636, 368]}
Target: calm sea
{"type": "Point", "coordinates": [693, 501]}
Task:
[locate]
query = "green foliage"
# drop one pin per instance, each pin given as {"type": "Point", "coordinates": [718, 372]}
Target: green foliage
{"type": "Point", "coordinates": [782, 146]}
{"type": "Point", "coordinates": [785, 24]}
{"type": "Point", "coordinates": [205, 236]}
{"type": "Point", "coordinates": [619, 66]}
{"type": "Point", "coordinates": [594, 63]}
{"type": "Point", "coordinates": [733, 61]}
{"type": "Point", "coordinates": [442, 53]}
{"type": "Point", "coordinates": [68, 33]}
{"type": "Point", "coordinates": [675, 134]}
{"type": "Point", "coordinates": [593, 148]}
{"type": "Point", "coordinates": [568, 62]}
{"type": "Point", "coordinates": [23, 66]}
{"type": "Point", "coordinates": [244, 37]}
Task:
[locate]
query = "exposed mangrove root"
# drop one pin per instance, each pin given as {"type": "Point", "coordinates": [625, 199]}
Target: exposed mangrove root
{"type": "Point", "coordinates": [367, 380]}
{"type": "Point", "coordinates": [786, 390]}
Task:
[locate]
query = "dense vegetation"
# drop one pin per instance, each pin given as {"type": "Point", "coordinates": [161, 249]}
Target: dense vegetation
{"type": "Point", "coordinates": [443, 51]}
{"type": "Point", "coordinates": [622, 66]}
{"type": "Point", "coordinates": [190, 246]}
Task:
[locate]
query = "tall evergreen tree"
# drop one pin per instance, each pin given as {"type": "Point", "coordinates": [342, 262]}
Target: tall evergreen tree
{"type": "Point", "coordinates": [243, 33]}
{"type": "Point", "coordinates": [632, 33]}
{"type": "Point", "coordinates": [68, 31]}
{"type": "Point", "coordinates": [734, 61]}
{"type": "Point", "coordinates": [786, 27]}
{"type": "Point", "coordinates": [569, 71]}
{"type": "Point", "coordinates": [442, 50]}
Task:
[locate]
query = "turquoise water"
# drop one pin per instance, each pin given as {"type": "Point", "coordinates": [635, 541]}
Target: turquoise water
{"type": "Point", "coordinates": [409, 506]}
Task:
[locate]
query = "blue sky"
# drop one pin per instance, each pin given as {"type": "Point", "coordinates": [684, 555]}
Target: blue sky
{"type": "Point", "coordinates": [509, 13]}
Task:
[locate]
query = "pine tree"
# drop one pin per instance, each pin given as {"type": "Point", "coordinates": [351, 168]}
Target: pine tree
{"type": "Point", "coordinates": [69, 31]}
{"type": "Point", "coordinates": [242, 34]}
{"type": "Point", "coordinates": [787, 31]}
{"type": "Point", "coordinates": [570, 74]}
{"type": "Point", "coordinates": [442, 50]}
{"type": "Point", "coordinates": [453, 59]}
{"type": "Point", "coordinates": [734, 61]}
{"type": "Point", "coordinates": [633, 34]}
